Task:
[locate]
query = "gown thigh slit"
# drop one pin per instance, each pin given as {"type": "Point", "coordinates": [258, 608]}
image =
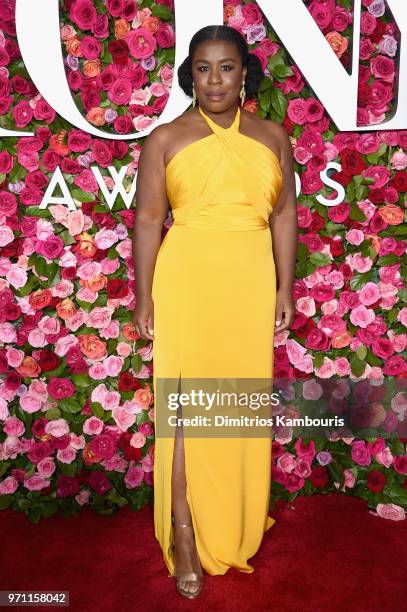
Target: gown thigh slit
{"type": "Point", "coordinates": [214, 294]}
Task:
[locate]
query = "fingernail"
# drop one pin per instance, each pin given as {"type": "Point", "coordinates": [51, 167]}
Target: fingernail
{"type": "Point", "coordinates": [277, 322]}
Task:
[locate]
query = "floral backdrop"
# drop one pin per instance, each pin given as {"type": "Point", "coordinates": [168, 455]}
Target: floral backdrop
{"type": "Point", "coordinates": [76, 402]}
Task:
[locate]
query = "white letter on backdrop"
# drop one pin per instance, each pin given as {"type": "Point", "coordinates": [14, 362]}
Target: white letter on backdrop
{"type": "Point", "coordinates": [57, 179]}
{"type": "Point", "coordinates": [300, 35]}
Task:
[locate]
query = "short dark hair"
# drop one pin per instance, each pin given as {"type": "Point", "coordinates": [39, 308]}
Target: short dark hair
{"type": "Point", "coordinates": [255, 73]}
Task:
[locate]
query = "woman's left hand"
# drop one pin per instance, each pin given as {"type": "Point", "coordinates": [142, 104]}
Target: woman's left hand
{"type": "Point", "coordinates": [284, 310]}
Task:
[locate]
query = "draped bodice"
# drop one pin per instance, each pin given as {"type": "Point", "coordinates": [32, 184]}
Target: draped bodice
{"type": "Point", "coordinates": [226, 180]}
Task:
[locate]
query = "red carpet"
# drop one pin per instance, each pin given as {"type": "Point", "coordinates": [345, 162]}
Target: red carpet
{"type": "Point", "coordinates": [327, 554]}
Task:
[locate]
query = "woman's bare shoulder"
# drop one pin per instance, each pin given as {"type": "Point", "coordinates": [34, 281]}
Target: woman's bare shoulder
{"type": "Point", "coordinates": [163, 135]}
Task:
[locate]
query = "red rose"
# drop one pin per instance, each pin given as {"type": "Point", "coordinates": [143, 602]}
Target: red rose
{"type": "Point", "coordinates": [67, 485]}
{"type": "Point", "coordinates": [116, 289]}
{"type": "Point", "coordinates": [352, 162]}
{"type": "Point", "coordinates": [376, 481]}
{"type": "Point", "coordinates": [99, 482]}
{"type": "Point", "coordinates": [319, 476]}
{"type": "Point", "coordinates": [399, 181]}
{"type": "Point", "coordinates": [376, 196]}
{"type": "Point", "coordinates": [127, 382]}
{"type": "Point", "coordinates": [12, 381]}
{"type": "Point", "coordinates": [336, 248]}
{"type": "Point", "coordinates": [48, 361]}
{"type": "Point", "coordinates": [119, 51]}
{"type": "Point", "coordinates": [343, 178]}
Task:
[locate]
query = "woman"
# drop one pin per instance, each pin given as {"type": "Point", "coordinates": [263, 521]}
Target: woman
{"type": "Point", "coordinates": [210, 291]}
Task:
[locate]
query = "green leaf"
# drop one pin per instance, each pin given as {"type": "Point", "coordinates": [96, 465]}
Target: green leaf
{"type": "Point", "coordinates": [359, 279]}
{"type": "Point", "coordinates": [70, 405]}
{"type": "Point", "coordinates": [81, 380]}
{"type": "Point", "coordinates": [279, 102]}
{"type": "Point", "coordinates": [357, 366]}
{"type": "Point", "coordinates": [52, 414]}
{"type": "Point", "coordinates": [388, 260]}
{"type": "Point", "coordinates": [304, 268]}
{"type": "Point", "coordinates": [83, 196]}
{"type": "Point", "coordinates": [355, 213]}
{"type": "Point", "coordinates": [319, 259]}
{"type": "Point", "coordinates": [361, 352]}
{"type": "Point", "coordinates": [302, 250]}
{"type": "Point", "coordinates": [372, 359]}
{"type": "Point", "coordinates": [282, 71]}
{"type": "Point", "coordinates": [161, 11]}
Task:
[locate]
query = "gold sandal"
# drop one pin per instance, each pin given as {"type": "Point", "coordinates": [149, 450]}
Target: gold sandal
{"type": "Point", "coordinates": [196, 577]}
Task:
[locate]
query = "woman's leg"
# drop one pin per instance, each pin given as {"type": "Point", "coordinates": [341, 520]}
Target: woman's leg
{"type": "Point", "coordinates": [186, 555]}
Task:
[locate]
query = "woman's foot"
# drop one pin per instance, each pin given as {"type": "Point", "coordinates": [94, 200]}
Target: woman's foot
{"type": "Point", "coordinates": [188, 569]}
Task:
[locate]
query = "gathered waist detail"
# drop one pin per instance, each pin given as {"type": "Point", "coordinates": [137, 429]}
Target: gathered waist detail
{"type": "Point", "coordinates": [235, 216]}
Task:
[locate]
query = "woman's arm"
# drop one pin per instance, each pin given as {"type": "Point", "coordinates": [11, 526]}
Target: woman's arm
{"type": "Point", "coordinates": [284, 229]}
{"type": "Point", "coordinates": [150, 213]}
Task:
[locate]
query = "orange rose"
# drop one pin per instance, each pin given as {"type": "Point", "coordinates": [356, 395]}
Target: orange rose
{"type": "Point", "coordinates": [96, 116]}
{"type": "Point", "coordinates": [92, 346]}
{"type": "Point", "coordinates": [66, 309]}
{"type": "Point", "coordinates": [392, 214]}
{"type": "Point", "coordinates": [86, 245]}
{"type": "Point", "coordinates": [40, 299]}
{"type": "Point", "coordinates": [251, 106]}
{"type": "Point", "coordinates": [29, 368]}
{"type": "Point", "coordinates": [129, 331]}
{"type": "Point", "coordinates": [228, 11]}
{"type": "Point", "coordinates": [151, 24]}
{"type": "Point", "coordinates": [92, 68]}
{"type": "Point", "coordinates": [337, 42]}
{"type": "Point", "coordinates": [57, 143]}
{"type": "Point", "coordinates": [88, 456]}
{"type": "Point", "coordinates": [121, 28]}
{"type": "Point", "coordinates": [374, 241]}
{"type": "Point", "coordinates": [73, 47]}
{"type": "Point", "coordinates": [95, 284]}
{"type": "Point", "coordinates": [378, 414]}
{"type": "Point", "coordinates": [143, 397]}
{"type": "Point", "coordinates": [341, 340]}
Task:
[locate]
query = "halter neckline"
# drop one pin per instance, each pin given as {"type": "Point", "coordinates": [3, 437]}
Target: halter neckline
{"type": "Point", "coordinates": [214, 125]}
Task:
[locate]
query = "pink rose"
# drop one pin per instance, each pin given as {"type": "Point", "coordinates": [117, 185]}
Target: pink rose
{"type": "Point", "coordinates": [123, 418]}
{"type": "Point", "coordinates": [46, 467]}
{"type": "Point", "coordinates": [113, 365]}
{"type": "Point", "coordinates": [134, 477]}
{"type": "Point", "coordinates": [360, 453]}
{"type": "Point", "coordinates": [362, 316]}
{"type": "Point", "coordinates": [8, 486]}
{"type": "Point", "coordinates": [57, 427]}
{"type": "Point", "coordinates": [36, 483]}
{"type": "Point", "coordinates": [369, 294]}
{"type": "Point", "coordinates": [66, 455]}
{"type": "Point", "coordinates": [93, 426]}
{"type": "Point", "coordinates": [391, 512]}
{"type": "Point", "coordinates": [14, 427]}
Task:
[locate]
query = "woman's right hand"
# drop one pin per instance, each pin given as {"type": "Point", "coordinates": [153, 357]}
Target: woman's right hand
{"type": "Point", "coordinates": [143, 318]}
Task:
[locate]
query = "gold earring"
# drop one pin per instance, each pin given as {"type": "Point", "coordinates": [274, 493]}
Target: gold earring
{"type": "Point", "coordinates": [242, 94]}
{"type": "Point", "coordinates": [193, 95]}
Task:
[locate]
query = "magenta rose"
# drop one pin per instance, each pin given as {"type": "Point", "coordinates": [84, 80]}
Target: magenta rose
{"type": "Point", "coordinates": [60, 388]}
{"type": "Point", "coordinates": [99, 482]}
{"type": "Point", "coordinates": [67, 485]}
{"type": "Point", "coordinates": [120, 92]}
{"type": "Point", "coordinates": [79, 141]}
{"type": "Point", "coordinates": [90, 47]}
{"type": "Point", "coordinates": [102, 153]}
{"type": "Point", "coordinates": [44, 112]}
{"type": "Point", "coordinates": [400, 464]}
{"type": "Point", "coordinates": [22, 113]}
{"type": "Point", "coordinates": [382, 67]}
{"type": "Point", "coordinates": [311, 182]}
{"type": "Point", "coordinates": [39, 451]}
{"type": "Point", "coordinates": [141, 43]}
{"type": "Point", "coordinates": [104, 446]}
{"type": "Point", "coordinates": [83, 13]}
{"type": "Point", "coordinates": [50, 248]}
{"type": "Point", "coordinates": [165, 36]}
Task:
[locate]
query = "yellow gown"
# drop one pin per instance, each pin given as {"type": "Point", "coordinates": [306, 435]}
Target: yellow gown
{"type": "Point", "coordinates": [214, 292]}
